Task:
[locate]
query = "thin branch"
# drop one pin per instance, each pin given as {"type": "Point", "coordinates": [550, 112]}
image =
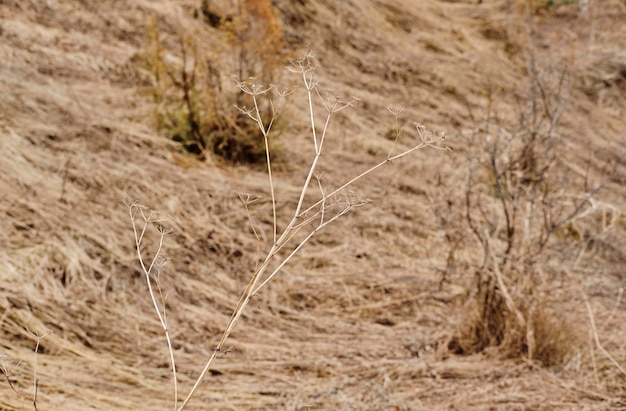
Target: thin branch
{"type": "Point", "coordinates": [510, 304]}
{"type": "Point", "coordinates": [38, 338]}
{"type": "Point", "coordinates": [395, 111]}
{"type": "Point", "coordinates": [135, 208]}
{"type": "Point", "coordinates": [269, 165]}
{"type": "Point", "coordinates": [427, 143]}
{"type": "Point", "coordinates": [298, 247]}
{"type": "Point", "coordinates": [248, 199]}
{"type": "Point", "coordinates": [5, 371]}
{"type": "Point", "coordinates": [323, 192]}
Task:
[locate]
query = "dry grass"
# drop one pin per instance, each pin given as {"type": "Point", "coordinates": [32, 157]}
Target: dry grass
{"type": "Point", "coordinates": [359, 320]}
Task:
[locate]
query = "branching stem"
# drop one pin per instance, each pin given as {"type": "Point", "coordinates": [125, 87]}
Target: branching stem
{"type": "Point", "coordinates": [302, 216]}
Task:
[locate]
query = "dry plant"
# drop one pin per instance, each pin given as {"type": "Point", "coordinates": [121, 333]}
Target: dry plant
{"type": "Point", "coordinates": [513, 214]}
{"type": "Point", "coordinates": [191, 105]}
{"type": "Point", "coordinates": [4, 369]}
{"type": "Point", "coordinates": [521, 215]}
{"type": "Point", "coordinates": [309, 217]}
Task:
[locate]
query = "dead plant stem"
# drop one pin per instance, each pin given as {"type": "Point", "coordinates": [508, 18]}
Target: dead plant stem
{"type": "Point", "coordinates": [300, 218]}
{"type": "Point", "coordinates": [148, 220]}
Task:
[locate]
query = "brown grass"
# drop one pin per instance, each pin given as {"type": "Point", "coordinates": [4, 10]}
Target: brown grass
{"type": "Point", "coordinates": [360, 319]}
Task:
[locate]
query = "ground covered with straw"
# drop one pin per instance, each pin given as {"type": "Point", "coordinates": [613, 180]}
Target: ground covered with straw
{"type": "Point", "coordinates": [373, 313]}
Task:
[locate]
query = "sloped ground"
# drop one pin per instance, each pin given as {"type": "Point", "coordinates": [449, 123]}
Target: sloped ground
{"type": "Point", "coordinates": [360, 319]}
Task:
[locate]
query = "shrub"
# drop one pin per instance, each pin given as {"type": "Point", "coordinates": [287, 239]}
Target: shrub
{"type": "Point", "coordinates": [514, 206]}
{"type": "Point", "coordinates": [192, 104]}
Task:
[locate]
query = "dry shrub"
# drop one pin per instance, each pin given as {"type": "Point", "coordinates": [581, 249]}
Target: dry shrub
{"type": "Point", "coordinates": [194, 92]}
{"type": "Point", "coordinates": [544, 335]}
{"type": "Point", "coordinates": [515, 203]}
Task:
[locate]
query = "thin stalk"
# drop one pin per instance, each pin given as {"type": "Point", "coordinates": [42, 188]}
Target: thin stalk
{"type": "Point", "coordinates": [318, 147]}
{"type": "Point", "coordinates": [298, 247]}
{"type": "Point", "coordinates": [147, 271]}
{"type": "Point", "coordinates": [251, 290]}
{"type": "Point", "coordinates": [265, 132]}
{"type": "Point", "coordinates": [364, 173]}
{"type": "Point", "coordinates": [237, 312]}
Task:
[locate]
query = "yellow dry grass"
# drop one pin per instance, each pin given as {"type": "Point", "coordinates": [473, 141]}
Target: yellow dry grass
{"type": "Point", "coordinates": [360, 319]}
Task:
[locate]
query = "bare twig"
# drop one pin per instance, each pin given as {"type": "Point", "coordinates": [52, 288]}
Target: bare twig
{"type": "Point", "coordinates": [38, 337]}
{"type": "Point", "coordinates": [35, 379]}
{"type": "Point", "coordinates": [151, 219]}
{"type": "Point", "coordinates": [5, 371]}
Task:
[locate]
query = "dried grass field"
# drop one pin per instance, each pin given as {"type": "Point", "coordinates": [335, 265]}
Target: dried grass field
{"type": "Point", "coordinates": [486, 272]}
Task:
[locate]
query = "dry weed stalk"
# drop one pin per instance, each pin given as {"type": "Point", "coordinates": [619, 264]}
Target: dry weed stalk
{"type": "Point", "coordinates": [306, 221]}
{"type": "Point", "coordinates": [156, 264]}
{"type": "Point", "coordinates": [5, 371]}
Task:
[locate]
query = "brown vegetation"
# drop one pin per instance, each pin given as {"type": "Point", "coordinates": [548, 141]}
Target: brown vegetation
{"type": "Point", "coordinates": [501, 290]}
